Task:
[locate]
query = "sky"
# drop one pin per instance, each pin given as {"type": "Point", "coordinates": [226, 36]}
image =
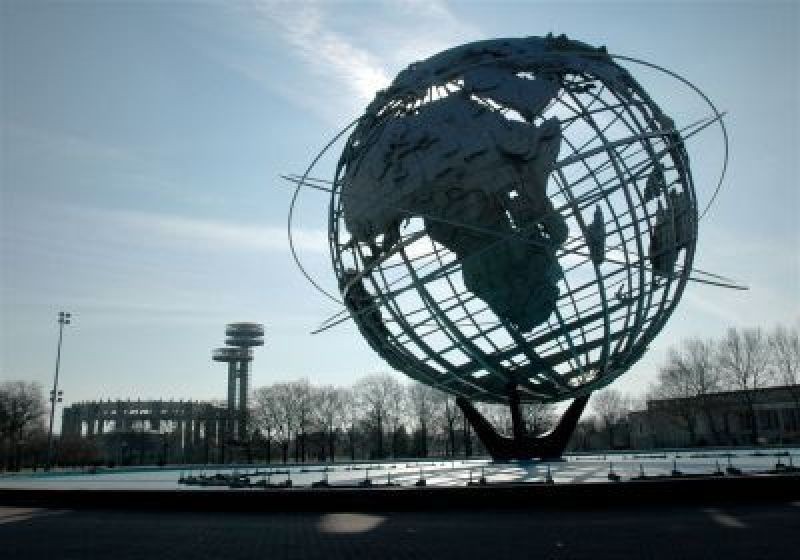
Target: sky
{"type": "Point", "coordinates": [141, 145]}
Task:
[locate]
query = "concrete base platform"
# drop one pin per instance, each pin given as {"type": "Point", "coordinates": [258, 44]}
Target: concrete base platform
{"type": "Point", "coordinates": [644, 493]}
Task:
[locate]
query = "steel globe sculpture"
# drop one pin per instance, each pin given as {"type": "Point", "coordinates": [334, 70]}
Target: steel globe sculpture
{"type": "Point", "coordinates": [513, 221]}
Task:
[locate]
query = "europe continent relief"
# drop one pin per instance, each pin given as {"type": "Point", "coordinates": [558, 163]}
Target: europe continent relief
{"type": "Point", "coordinates": [478, 180]}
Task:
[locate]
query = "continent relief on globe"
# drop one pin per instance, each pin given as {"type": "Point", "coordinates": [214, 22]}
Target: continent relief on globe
{"type": "Point", "coordinates": [479, 182]}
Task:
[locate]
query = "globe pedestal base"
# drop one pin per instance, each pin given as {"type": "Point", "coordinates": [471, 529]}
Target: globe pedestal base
{"type": "Point", "coordinates": [522, 446]}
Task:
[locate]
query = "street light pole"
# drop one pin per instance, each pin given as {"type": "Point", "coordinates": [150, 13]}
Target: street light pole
{"type": "Point", "coordinates": [64, 318]}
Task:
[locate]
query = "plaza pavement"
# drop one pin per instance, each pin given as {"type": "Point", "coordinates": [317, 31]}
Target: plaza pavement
{"type": "Point", "coordinates": [756, 531]}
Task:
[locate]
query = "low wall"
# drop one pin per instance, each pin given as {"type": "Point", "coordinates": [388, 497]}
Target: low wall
{"type": "Point", "coordinates": [645, 493]}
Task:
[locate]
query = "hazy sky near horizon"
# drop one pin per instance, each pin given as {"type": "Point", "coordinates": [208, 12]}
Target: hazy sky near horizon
{"type": "Point", "coordinates": [142, 144]}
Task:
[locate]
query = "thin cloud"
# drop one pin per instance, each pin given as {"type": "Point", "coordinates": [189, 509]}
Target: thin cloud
{"type": "Point", "coordinates": [171, 229]}
{"type": "Point", "coordinates": [328, 53]}
{"type": "Point", "coordinates": [68, 146]}
{"type": "Point", "coordinates": [119, 227]}
{"type": "Point", "coordinates": [347, 67]}
{"type": "Point", "coordinates": [713, 306]}
{"type": "Point", "coordinates": [436, 27]}
{"type": "Point", "coordinates": [123, 168]}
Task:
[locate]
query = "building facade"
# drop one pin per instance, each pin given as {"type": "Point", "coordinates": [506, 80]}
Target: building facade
{"type": "Point", "coordinates": [769, 416]}
{"type": "Point", "coordinates": [136, 431]}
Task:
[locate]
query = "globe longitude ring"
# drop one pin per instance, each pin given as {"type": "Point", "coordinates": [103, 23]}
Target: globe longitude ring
{"type": "Point", "coordinates": [513, 220]}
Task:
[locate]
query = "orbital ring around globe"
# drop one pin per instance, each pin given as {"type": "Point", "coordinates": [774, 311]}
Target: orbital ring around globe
{"type": "Point", "coordinates": [512, 211]}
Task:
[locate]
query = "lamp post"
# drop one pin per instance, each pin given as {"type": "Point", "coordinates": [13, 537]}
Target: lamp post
{"type": "Point", "coordinates": [64, 318]}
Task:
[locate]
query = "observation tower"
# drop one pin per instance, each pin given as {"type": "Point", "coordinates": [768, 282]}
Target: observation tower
{"type": "Point", "coordinates": [240, 339]}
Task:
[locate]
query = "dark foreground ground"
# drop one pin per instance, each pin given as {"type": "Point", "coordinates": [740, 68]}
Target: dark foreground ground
{"type": "Point", "coordinates": [755, 531]}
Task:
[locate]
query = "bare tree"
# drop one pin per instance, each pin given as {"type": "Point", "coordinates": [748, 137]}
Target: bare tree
{"type": "Point", "coordinates": [784, 349]}
{"type": "Point", "coordinates": [498, 415]}
{"type": "Point", "coordinates": [689, 378]}
{"type": "Point", "coordinates": [377, 394]}
{"type": "Point", "coordinates": [5, 418]}
{"type": "Point", "coordinates": [424, 402]}
{"type": "Point", "coordinates": [267, 417]}
{"type": "Point", "coordinates": [397, 411]}
{"type": "Point", "coordinates": [301, 393]}
{"type": "Point", "coordinates": [538, 417]}
{"type": "Point", "coordinates": [674, 387]}
{"type": "Point", "coordinates": [421, 399]}
{"type": "Point", "coordinates": [743, 358]}
{"type": "Point", "coordinates": [285, 414]}
{"type": "Point", "coordinates": [611, 408]}
{"type": "Point", "coordinates": [352, 415]}
{"type": "Point", "coordinates": [22, 409]}
{"type": "Point", "coordinates": [453, 416]}
{"type": "Point", "coordinates": [19, 412]}
{"type": "Point", "coordinates": [697, 358]}
{"type": "Point", "coordinates": [329, 411]}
